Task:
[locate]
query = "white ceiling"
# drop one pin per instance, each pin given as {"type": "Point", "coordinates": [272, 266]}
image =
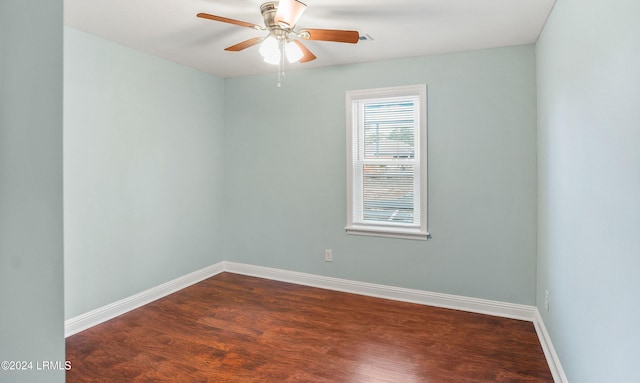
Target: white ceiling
{"type": "Point", "coordinates": [400, 28]}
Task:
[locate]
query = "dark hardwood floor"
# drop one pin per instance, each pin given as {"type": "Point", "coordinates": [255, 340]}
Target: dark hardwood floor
{"type": "Point", "coordinates": [233, 328]}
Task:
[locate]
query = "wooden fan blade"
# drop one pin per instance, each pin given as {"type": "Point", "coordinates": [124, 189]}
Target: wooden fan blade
{"type": "Point", "coordinates": [230, 21]}
{"type": "Point", "coordinates": [339, 36]}
{"type": "Point", "coordinates": [245, 44]}
{"type": "Point", "coordinates": [308, 55]}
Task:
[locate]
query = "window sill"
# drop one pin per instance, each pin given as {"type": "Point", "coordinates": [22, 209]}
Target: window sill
{"type": "Point", "coordinates": [388, 232]}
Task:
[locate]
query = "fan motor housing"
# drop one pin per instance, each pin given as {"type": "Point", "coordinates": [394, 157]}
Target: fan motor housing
{"type": "Point", "coordinates": [268, 11]}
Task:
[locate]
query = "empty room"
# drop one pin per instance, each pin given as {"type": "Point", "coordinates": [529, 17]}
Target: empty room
{"type": "Point", "coordinates": [334, 191]}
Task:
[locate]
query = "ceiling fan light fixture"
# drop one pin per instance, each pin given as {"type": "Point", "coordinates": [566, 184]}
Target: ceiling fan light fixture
{"type": "Point", "coordinates": [274, 60]}
{"type": "Point", "coordinates": [280, 17]}
{"type": "Point", "coordinates": [289, 12]}
{"type": "Point", "coordinates": [270, 50]}
{"type": "Point", "coordinates": [293, 52]}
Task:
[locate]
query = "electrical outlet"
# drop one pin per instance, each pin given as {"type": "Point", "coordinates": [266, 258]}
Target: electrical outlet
{"type": "Point", "coordinates": [546, 300]}
{"type": "Point", "coordinates": [328, 255]}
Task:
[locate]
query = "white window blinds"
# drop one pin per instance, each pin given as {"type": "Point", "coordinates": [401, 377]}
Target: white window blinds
{"type": "Point", "coordinates": [386, 175]}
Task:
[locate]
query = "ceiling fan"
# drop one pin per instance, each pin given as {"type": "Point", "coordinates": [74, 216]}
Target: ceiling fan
{"type": "Point", "coordinates": [280, 19]}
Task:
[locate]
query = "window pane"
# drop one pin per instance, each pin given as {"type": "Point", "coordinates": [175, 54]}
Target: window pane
{"type": "Point", "coordinates": [386, 173]}
{"type": "Point", "coordinates": [388, 193]}
{"type": "Point", "coordinates": [389, 130]}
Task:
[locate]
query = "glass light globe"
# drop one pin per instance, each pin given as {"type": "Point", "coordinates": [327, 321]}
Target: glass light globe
{"type": "Point", "coordinates": [293, 52]}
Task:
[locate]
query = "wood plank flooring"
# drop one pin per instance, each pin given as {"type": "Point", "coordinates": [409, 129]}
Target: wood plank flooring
{"type": "Point", "coordinates": [233, 328]}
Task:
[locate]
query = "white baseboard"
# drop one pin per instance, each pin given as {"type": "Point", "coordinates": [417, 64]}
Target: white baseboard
{"type": "Point", "coordinates": [549, 351]}
{"type": "Point", "coordinates": [456, 302]}
{"type": "Point", "coordinates": [112, 310]}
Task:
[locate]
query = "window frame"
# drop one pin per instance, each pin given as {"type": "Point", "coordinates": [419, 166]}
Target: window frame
{"type": "Point", "coordinates": [394, 230]}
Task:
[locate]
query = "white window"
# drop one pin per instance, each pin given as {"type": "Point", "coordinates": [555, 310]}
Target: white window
{"type": "Point", "coordinates": [387, 162]}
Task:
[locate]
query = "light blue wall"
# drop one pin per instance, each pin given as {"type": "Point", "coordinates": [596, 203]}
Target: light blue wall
{"type": "Point", "coordinates": [142, 171]}
{"type": "Point", "coordinates": [285, 180]}
{"type": "Point", "coordinates": [31, 238]}
{"type": "Point", "coordinates": [588, 65]}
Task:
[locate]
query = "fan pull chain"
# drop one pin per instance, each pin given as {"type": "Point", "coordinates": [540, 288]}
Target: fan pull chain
{"type": "Point", "coordinates": [281, 65]}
